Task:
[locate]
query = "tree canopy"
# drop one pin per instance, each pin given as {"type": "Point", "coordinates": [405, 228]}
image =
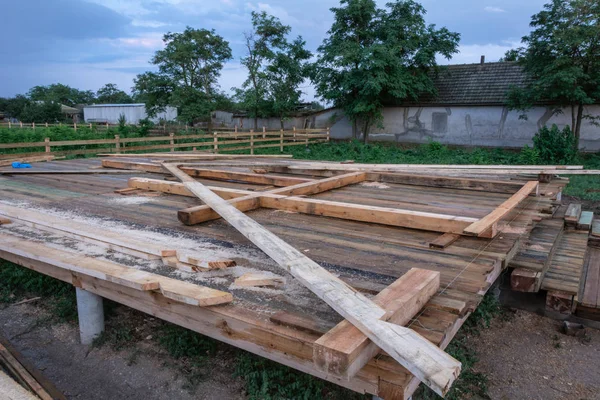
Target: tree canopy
{"type": "Point", "coordinates": [561, 57]}
{"type": "Point", "coordinates": [111, 94]}
{"type": "Point", "coordinates": [373, 54]}
{"type": "Point", "coordinates": [188, 69]}
{"type": "Point", "coordinates": [59, 93]}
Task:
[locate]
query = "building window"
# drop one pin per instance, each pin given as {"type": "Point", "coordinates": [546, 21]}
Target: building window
{"type": "Point", "coordinates": [439, 122]}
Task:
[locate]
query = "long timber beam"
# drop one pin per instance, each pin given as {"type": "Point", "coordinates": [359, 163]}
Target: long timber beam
{"type": "Point", "coordinates": [429, 363]}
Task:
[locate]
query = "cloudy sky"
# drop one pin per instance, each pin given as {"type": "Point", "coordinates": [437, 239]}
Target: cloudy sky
{"type": "Point", "coordinates": [87, 43]}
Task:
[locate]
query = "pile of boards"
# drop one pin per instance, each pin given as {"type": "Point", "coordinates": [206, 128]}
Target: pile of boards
{"type": "Point", "coordinates": [391, 332]}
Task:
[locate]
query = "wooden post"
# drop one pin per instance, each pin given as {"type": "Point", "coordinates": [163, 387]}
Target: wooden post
{"type": "Point", "coordinates": [328, 134]}
{"type": "Point", "coordinates": [216, 143]}
{"type": "Point", "coordinates": [46, 124]}
{"type": "Point", "coordinates": [306, 140]}
{"type": "Point", "coordinates": [281, 140]}
{"type": "Point", "coordinates": [8, 124]}
{"type": "Point", "coordinates": [90, 125]}
{"type": "Point", "coordinates": [117, 144]}
{"type": "Point", "coordinates": [251, 141]}
{"type": "Point", "coordinates": [264, 132]}
{"type": "Point", "coordinates": [21, 124]}
{"type": "Point", "coordinates": [33, 125]}
{"type": "Point", "coordinates": [172, 140]}
{"type": "Point", "coordinates": [47, 140]}
{"type": "Point", "coordinates": [294, 133]}
{"type": "Point", "coordinates": [235, 132]}
{"type": "Point", "coordinates": [75, 126]}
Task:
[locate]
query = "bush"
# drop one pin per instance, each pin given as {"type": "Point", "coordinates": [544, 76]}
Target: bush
{"type": "Point", "coordinates": [555, 146]}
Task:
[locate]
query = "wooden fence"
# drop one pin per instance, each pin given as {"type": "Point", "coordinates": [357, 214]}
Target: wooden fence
{"type": "Point", "coordinates": [220, 141]}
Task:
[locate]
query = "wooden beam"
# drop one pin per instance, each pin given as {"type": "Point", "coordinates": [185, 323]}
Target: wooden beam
{"type": "Point", "coordinates": [488, 222]}
{"type": "Point", "coordinates": [345, 350]}
{"type": "Point", "coordinates": [378, 215]}
{"type": "Point", "coordinates": [260, 179]}
{"type": "Point", "coordinates": [159, 185]}
{"type": "Point", "coordinates": [446, 182]}
{"type": "Point", "coordinates": [112, 240]}
{"type": "Point", "coordinates": [181, 291]}
{"type": "Point", "coordinates": [431, 365]}
{"type": "Point", "coordinates": [198, 214]}
{"type": "Point", "coordinates": [16, 158]}
{"type": "Point", "coordinates": [444, 241]}
{"type": "Point", "coordinates": [133, 165]}
{"type": "Point", "coordinates": [68, 172]}
{"type": "Point", "coordinates": [252, 279]}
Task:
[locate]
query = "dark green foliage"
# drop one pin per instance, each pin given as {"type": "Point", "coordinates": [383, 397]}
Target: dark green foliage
{"type": "Point", "coordinates": [188, 69]}
{"type": "Point", "coordinates": [562, 59]}
{"type": "Point", "coordinates": [110, 94]}
{"type": "Point", "coordinates": [276, 68]}
{"type": "Point", "coordinates": [43, 111]}
{"type": "Point", "coordinates": [373, 55]}
{"type": "Point", "coordinates": [268, 380]}
{"type": "Point", "coordinates": [555, 146]}
{"type": "Point", "coordinates": [62, 94]}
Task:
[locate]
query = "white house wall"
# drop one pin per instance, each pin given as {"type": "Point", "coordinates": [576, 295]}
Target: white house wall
{"type": "Point", "coordinates": [133, 114]}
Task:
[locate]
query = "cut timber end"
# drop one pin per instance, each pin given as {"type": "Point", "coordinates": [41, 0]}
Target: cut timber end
{"type": "Point", "coordinates": [344, 350]}
{"type": "Point", "coordinates": [444, 241]}
{"type": "Point", "coordinates": [524, 280]}
{"type": "Point", "coordinates": [253, 279]}
{"type": "Point", "coordinates": [585, 220]}
{"type": "Point", "coordinates": [573, 214]}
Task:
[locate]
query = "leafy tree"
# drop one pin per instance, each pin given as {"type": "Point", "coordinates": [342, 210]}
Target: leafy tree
{"type": "Point", "coordinates": [372, 55]}
{"type": "Point", "coordinates": [62, 94]}
{"type": "Point", "coordinates": [267, 36]}
{"type": "Point", "coordinates": [561, 57]}
{"type": "Point", "coordinates": [288, 69]}
{"type": "Point", "coordinates": [13, 107]}
{"type": "Point", "coordinates": [188, 69]}
{"type": "Point", "coordinates": [512, 55]}
{"type": "Point", "coordinates": [40, 111]}
{"type": "Point", "coordinates": [111, 94]}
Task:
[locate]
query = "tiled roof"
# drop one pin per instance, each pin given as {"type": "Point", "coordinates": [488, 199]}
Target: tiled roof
{"type": "Point", "coordinates": [475, 84]}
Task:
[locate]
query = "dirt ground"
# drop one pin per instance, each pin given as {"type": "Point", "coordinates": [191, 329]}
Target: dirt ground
{"type": "Point", "coordinates": [524, 356]}
{"type": "Point", "coordinates": [143, 371]}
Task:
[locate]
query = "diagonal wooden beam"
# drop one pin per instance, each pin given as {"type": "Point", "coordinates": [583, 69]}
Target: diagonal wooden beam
{"type": "Point", "coordinates": [426, 361]}
{"type": "Point", "coordinates": [488, 223]}
{"type": "Point", "coordinates": [198, 214]}
{"type": "Point", "coordinates": [344, 350]}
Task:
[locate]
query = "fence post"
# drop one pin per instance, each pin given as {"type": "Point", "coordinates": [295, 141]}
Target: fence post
{"type": "Point", "coordinates": [264, 132]}
{"type": "Point", "coordinates": [47, 140]}
{"type": "Point", "coordinates": [294, 133]}
{"type": "Point", "coordinates": [46, 124]}
{"type": "Point", "coordinates": [172, 140]}
{"type": "Point", "coordinates": [90, 125]}
{"type": "Point", "coordinates": [21, 124]}
{"type": "Point", "coordinates": [235, 132]}
{"type": "Point", "coordinates": [216, 142]}
{"type": "Point", "coordinates": [117, 144]}
{"type": "Point", "coordinates": [328, 134]}
{"type": "Point", "coordinates": [75, 126]}
{"type": "Point", "coordinates": [251, 141]}
{"type": "Point", "coordinates": [8, 124]}
{"type": "Point", "coordinates": [33, 125]}
{"type": "Point", "coordinates": [281, 140]}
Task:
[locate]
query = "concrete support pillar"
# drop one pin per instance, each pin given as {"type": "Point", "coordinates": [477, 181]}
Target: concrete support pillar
{"type": "Point", "coordinates": [91, 315]}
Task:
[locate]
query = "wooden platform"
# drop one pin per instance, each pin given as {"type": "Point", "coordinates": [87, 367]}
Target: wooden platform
{"type": "Point", "coordinates": [282, 324]}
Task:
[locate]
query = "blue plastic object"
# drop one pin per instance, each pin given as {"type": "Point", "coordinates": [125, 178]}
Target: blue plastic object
{"type": "Point", "coordinates": [20, 165]}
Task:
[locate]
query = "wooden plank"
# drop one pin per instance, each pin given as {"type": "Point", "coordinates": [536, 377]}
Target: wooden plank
{"type": "Point", "coordinates": [489, 186]}
{"type": "Point", "coordinates": [379, 215]}
{"type": "Point", "coordinates": [261, 179]}
{"type": "Point", "coordinates": [590, 292]}
{"type": "Point", "coordinates": [573, 213]}
{"type": "Point", "coordinates": [181, 291]}
{"type": "Point", "coordinates": [301, 322]}
{"type": "Point", "coordinates": [65, 172]}
{"type": "Point", "coordinates": [444, 241]}
{"type": "Point", "coordinates": [585, 220]}
{"type": "Point", "coordinates": [110, 239]}
{"type": "Point", "coordinates": [179, 189]}
{"type": "Point", "coordinates": [23, 374]}
{"type": "Point", "coordinates": [345, 350]}
{"type": "Point", "coordinates": [426, 361]}
{"type": "Point", "coordinates": [484, 224]}
{"type": "Point", "coordinates": [524, 280]}
{"type": "Point", "coordinates": [4, 163]}
{"type": "Point", "coordinates": [258, 279]}
{"type": "Point", "coordinates": [198, 214]}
